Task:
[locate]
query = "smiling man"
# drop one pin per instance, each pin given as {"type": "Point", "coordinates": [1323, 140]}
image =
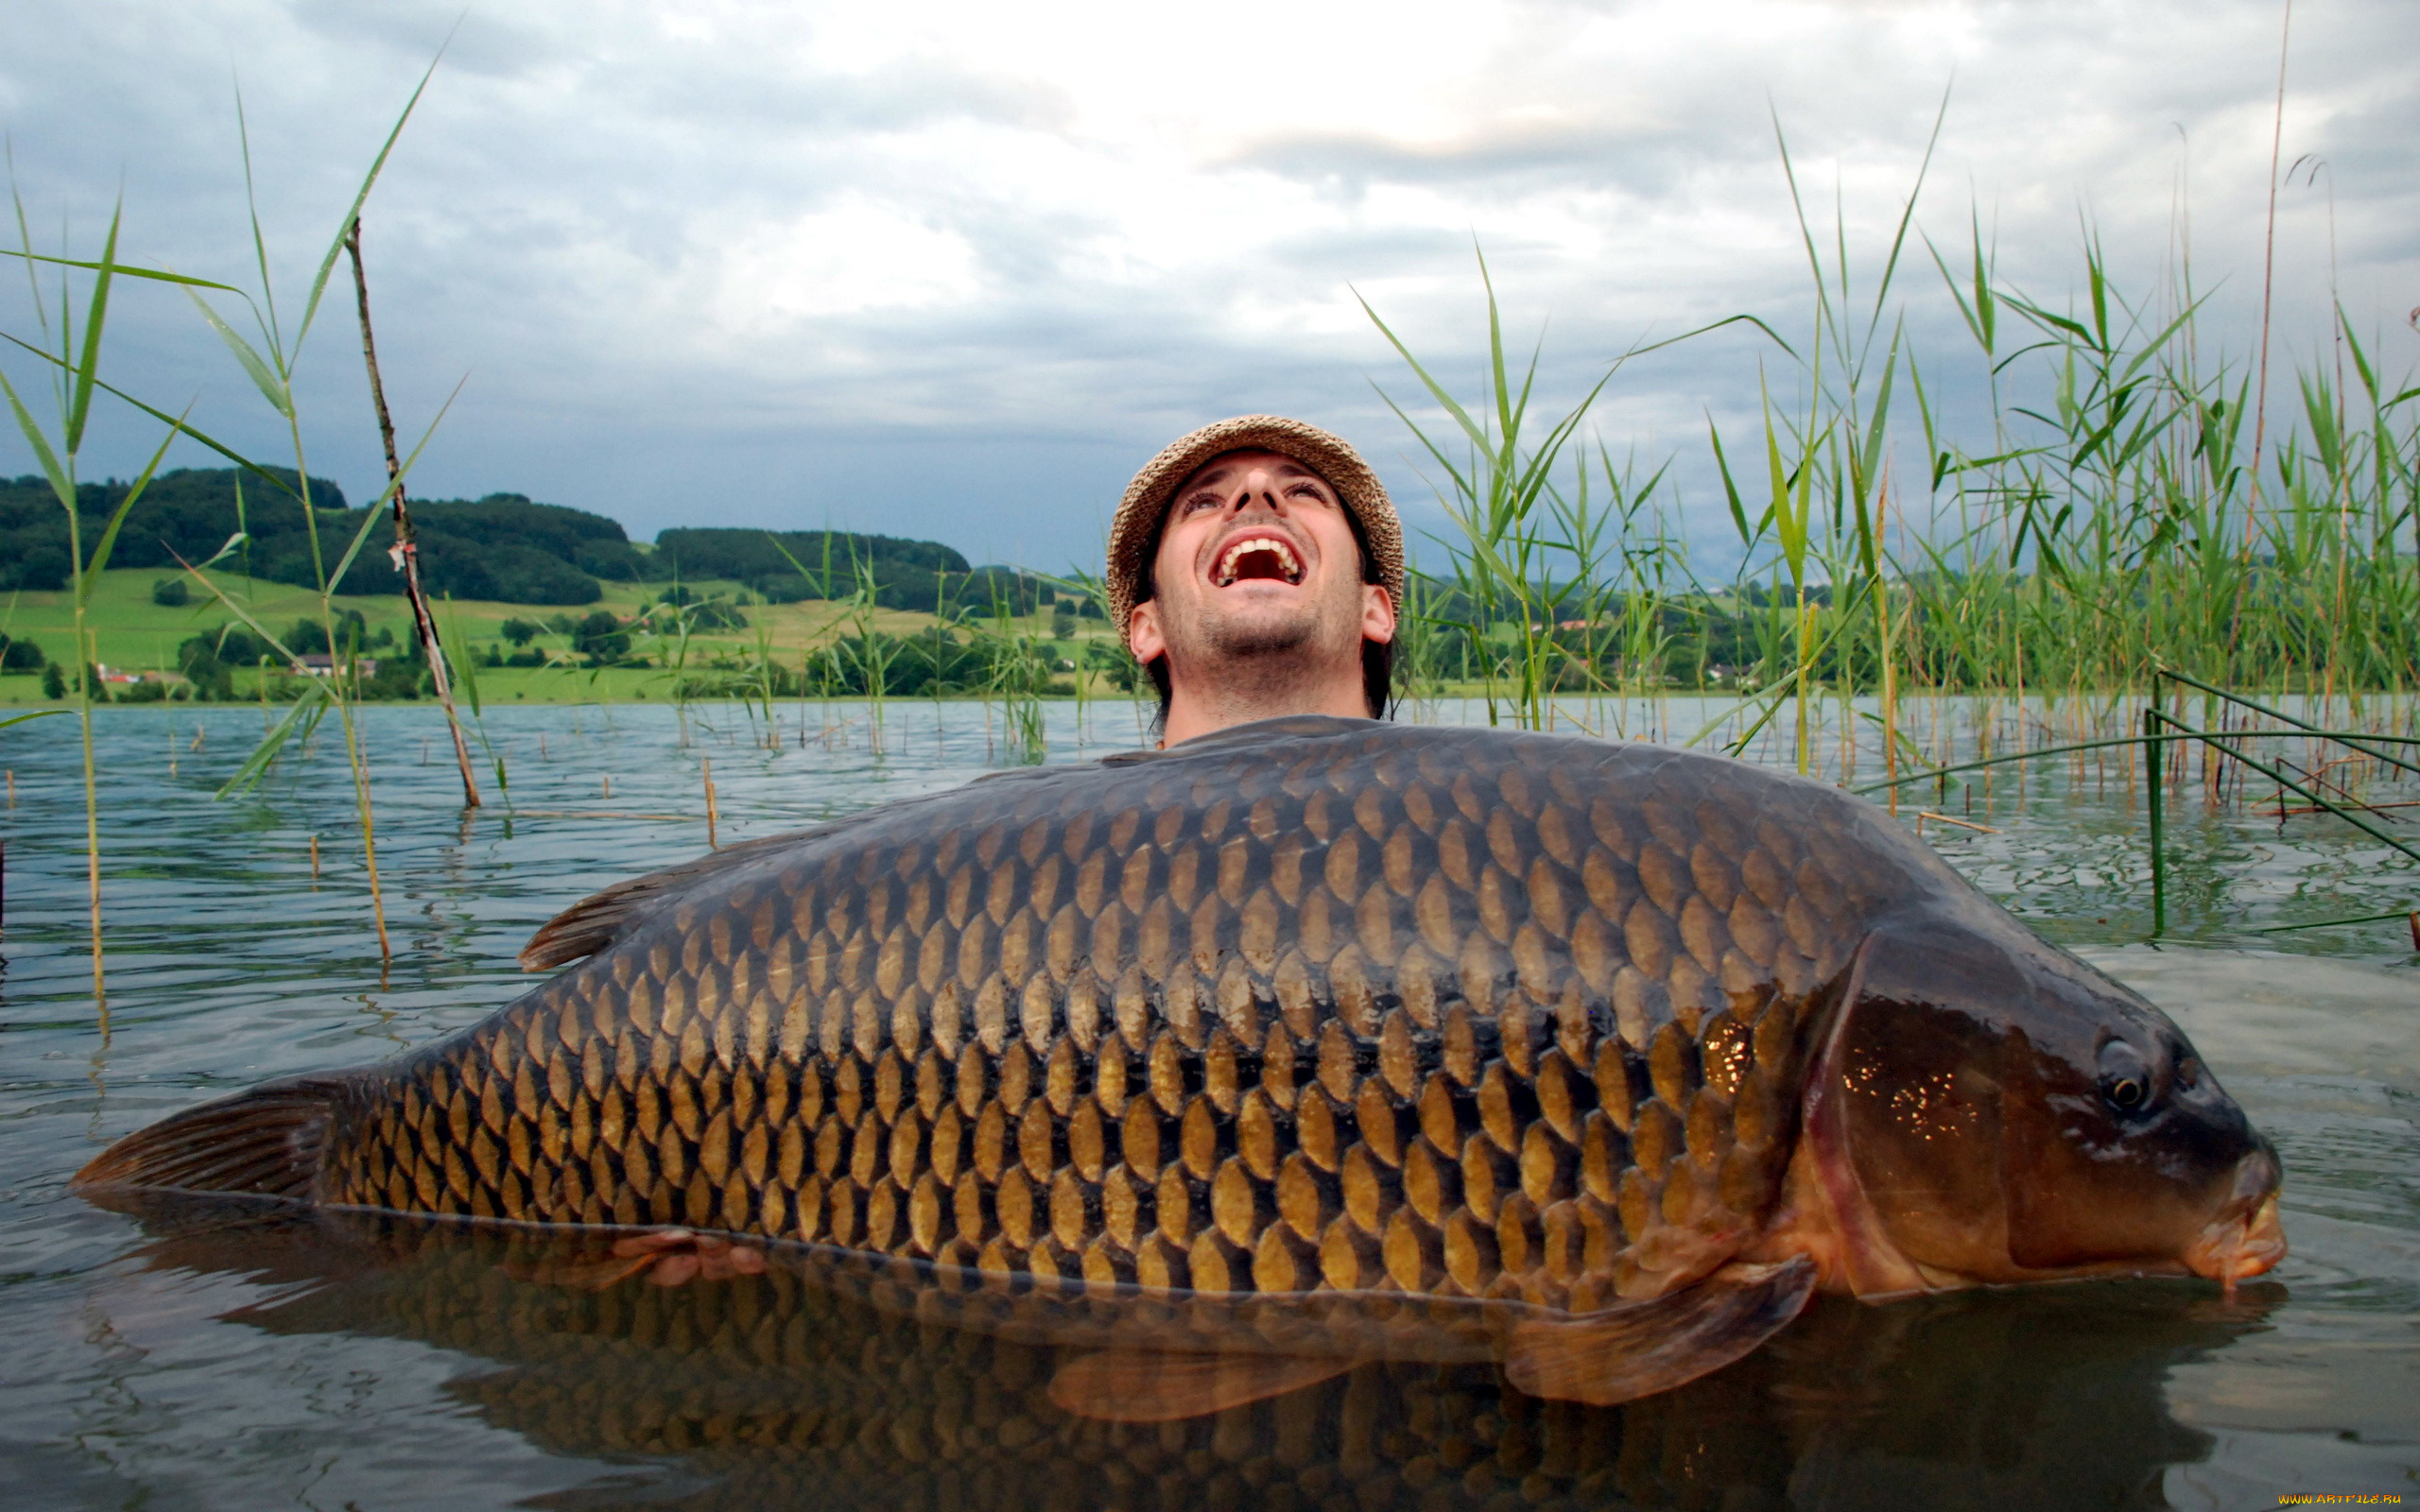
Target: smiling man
{"type": "Point", "coordinates": [1256, 566]}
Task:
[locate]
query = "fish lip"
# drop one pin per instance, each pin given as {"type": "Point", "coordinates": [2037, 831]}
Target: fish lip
{"type": "Point", "coordinates": [1240, 540]}
{"type": "Point", "coordinates": [2248, 1237]}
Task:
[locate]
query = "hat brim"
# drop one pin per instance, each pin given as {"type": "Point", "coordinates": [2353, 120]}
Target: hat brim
{"type": "Point", "coordinates": [1134, 533]}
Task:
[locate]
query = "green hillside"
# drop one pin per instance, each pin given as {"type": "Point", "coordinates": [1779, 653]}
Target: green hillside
{"type": "Point", "coordinates": [505, 548]}
{"type": "Point", "coordinates": [557, 651]}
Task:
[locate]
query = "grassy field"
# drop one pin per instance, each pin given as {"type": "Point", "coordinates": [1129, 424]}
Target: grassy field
{"type": "Point", "coordinates": [136, 634]}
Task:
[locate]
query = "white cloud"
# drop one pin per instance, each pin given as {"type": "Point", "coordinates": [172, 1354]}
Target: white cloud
{"type": "Point", "coordinates": [954, 268]}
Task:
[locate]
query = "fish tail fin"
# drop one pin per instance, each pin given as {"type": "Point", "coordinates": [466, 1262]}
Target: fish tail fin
{"type": "Point", "coordinates": [268, 1142]}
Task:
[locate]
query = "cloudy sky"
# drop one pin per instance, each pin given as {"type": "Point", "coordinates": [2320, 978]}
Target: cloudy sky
{"type": "Point", "coordinates": [953, 269]}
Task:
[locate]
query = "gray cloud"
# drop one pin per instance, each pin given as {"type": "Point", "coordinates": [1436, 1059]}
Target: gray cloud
{"type": "Point", "coordinates": [954, 273]}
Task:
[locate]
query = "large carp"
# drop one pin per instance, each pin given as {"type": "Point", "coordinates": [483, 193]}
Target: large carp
{"type": "Point", "coordinates": [1311, 1041]}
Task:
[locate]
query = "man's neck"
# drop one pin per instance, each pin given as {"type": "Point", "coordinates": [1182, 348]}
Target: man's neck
{"type": "Point", "coordinates": [1226, 697]}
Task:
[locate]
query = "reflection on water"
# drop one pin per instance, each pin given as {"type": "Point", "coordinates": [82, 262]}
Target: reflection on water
{"type": "Point", "coordinates": [176, 1362]}
{"type": "Point", "coordinates": [780, 1390]}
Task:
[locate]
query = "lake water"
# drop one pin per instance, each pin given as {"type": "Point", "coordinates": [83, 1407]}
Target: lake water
{"type": "Point", "coordinates": [167, 1363]}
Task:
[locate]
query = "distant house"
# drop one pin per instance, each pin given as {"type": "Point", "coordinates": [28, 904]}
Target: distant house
{"type": "Point", "coordinates": [319, 664]}
{"type": "Point", "coordinates": [110, 674]}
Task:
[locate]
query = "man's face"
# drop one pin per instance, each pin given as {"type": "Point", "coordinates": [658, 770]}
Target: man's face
{"type": "Point", "coordinates": [1257, 559]}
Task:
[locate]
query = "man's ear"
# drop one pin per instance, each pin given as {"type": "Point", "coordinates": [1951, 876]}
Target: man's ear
{"type": "Point", "coordinates": [1377, 614]}
{"type": "Point", "coordinates": [1145, 638]}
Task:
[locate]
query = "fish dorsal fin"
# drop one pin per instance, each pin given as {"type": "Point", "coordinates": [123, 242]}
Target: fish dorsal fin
{"type": "Point", "coordinates": [266, 1143]}
{"type": "Point", "coordinates": [1644, 1347]}
{"type": "Point", "coordinates": [1160, 1387]}
{"type": "Point", "coordinates": [602, 918]}
{"type": "Point", "coordinates": [597, 921]}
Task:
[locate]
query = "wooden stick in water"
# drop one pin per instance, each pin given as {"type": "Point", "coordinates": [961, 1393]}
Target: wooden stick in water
{"type": "Point", "coordinates": [2155, 797]}
{"type": "Point", "coordinates": [596, 814]}
{"type": "Point", "coordinates": [1923, 814]}
{"type": "Point", "coordinates": [404, 553]}
{"type": "Point", "coordinates": [711, 844]}
{"type": "Point", "coordinates": [315, 858]}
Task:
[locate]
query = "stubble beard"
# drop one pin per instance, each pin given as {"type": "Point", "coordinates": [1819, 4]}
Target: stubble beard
{"type": "Point", "coordinates": [1258, 663]}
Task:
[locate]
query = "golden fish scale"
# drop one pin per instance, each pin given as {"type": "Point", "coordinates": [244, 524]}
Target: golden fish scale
{"type": "Point", "coordinates": [1535, 1030]}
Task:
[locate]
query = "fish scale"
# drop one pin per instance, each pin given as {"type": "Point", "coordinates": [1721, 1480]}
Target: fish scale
{"type": "Point", "coordinates": [1528, 1035]}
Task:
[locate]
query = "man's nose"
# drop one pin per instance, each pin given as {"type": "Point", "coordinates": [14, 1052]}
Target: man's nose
{"type": "Point", "coordinates": [1260, 487]}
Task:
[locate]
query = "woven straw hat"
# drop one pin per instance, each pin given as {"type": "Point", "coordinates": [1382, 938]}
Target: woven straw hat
{"type": "Point", "coordinates": [1136, 533]}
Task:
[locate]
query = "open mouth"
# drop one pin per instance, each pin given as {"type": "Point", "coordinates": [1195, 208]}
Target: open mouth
{"type": "Point", "coordinates": [1258, 556]}
{"type": "Point", "coordinates": [2246, 1238]}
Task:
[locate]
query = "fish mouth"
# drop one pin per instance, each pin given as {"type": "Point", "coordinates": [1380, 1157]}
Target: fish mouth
{"type": "Point", "coordinates": [2247, 1238]}
{"type": "Point", "coordinates": [1259, 556]}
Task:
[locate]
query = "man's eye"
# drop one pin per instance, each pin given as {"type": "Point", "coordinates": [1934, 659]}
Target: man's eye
{"type": "Point", "coordinates": [1202, 501]}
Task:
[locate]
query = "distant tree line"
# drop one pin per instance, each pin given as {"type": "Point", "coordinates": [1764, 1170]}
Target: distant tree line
{"type": "Point", "coordinates": [934, 662]}
{"type": "Point", "coordinates": [505, 547]}
{"type": "Point", "coordinates": [210, 660]}
{"type": "Point", "coordinates": [793, 566]}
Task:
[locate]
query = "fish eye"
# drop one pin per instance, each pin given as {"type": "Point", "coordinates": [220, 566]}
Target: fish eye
{"type": "Point", "coordinates": [2125, 1077]}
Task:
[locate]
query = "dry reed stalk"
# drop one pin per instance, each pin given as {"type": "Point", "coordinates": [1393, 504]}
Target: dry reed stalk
{"type": "Point", "coordinates": [404, 553]}
{"type": "Point", "coordinates": [2268, 267]}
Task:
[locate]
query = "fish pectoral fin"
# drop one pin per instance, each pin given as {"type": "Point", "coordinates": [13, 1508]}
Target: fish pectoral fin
{"type": "Point", "coordinates": [592, 1274]}
{"type": "Point", "coordinates": [667, 1257]}
{"type": "Point", "coordinates": [1163, 1385]}
{"type": "Point", "coordinates": [1644, 1347]}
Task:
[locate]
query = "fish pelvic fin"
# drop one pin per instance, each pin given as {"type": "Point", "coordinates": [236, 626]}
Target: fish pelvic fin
{"type": "Point", "coordinates": [1639, 1350]}
{"type": "Point", "coordinates": [1163, 1386]}
{"type": "Point", "coordinates": [271, 1141]}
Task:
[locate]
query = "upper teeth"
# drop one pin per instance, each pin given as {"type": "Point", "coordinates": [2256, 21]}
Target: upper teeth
{"type": "Point", "coordinates": [1252, 543]}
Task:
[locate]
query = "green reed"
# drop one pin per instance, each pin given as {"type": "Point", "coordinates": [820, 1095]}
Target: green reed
{"type": "Point", "coordinates": [2117, 517]}
{"type": "Point", "coordinates": [73, 349]}
{"type": "Point", "coordinates": [269, 359]}
{"type": "Point", "coordinates": [1018, 674]}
